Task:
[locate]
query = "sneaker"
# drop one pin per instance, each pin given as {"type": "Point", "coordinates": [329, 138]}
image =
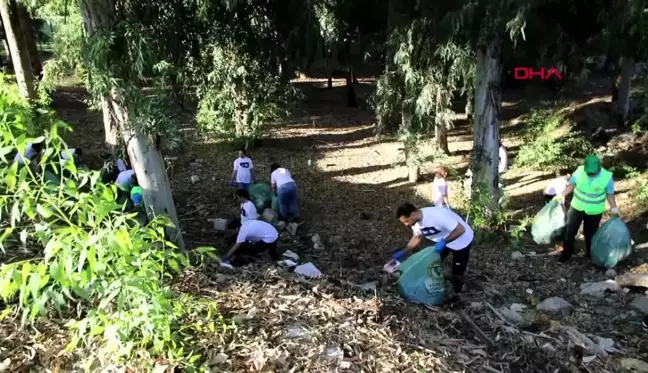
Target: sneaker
{"type": "Point", "coordinates": [644, 324]}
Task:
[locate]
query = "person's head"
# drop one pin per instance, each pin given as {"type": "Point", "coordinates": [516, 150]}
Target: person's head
{"type": "Point", "coordinates": [242, 153]}
{"type": "Point", "coordinates": [568, 176]}
{"type": "Point", "coordinates": [78, 152]}
{"type": "Point", "coordinates": [234, 224]}
{"type": "Point", "coordinates": [243, 195]}
{"type": "Point", "coordinates": [407, 214]}
{"type": "Point", "coordinates": [274, 166]}
{"type": "Point", "coordinates": [441, 172]}
{"type": "Point", "coordinates": [592, 165]}
{"type": "Point", "coordinates": [133, 181]}
{"type": "Point", "coordinates": [38, 147]}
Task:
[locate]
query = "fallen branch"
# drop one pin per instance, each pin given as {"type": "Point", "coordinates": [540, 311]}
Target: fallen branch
{"type": "Point", "coordinates": [477, 330]}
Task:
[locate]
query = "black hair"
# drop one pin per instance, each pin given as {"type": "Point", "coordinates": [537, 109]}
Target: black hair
{"type": "Point", "coordinates": [405, 210]}
{"type": "Point", "coordinates": [134, 179]}
{"type": "Point", "coordinates": [234, 224]}
{"type": "Point", "coordinates": [38, 147]}
{"type": "Point", "coordinates": [274, 166]}
{"type": "Point", "coordinates": [242, 150]}
{"type": "Point", "coordinates": [243, 193]}
{"type": "Point", "coordinates": [78, 151]}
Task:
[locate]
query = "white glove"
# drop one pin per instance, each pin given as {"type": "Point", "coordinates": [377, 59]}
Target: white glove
{"type": "Point", "coordinates": [615, 211]}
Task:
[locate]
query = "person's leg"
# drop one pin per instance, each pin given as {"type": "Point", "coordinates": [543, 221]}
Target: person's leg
{"type": "Point", "coordinates": [574, 220]}
{"type": "Point", "coordinates": [590, 226]}
{"type": "Point", "coordinates": [294, 201]}
{"type": "Point", "coordinates": [244, 186]}
{"type": "Point", "coordinates": [284, 201]}
{"type": "Point", "coordinates": [460, 264]}
{"type": "Point", "coordinates": [246, 254]}
{"type": "Point", "coordinates": [272, 250]}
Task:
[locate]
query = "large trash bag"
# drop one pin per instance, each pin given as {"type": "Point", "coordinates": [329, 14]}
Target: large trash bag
{"type": "Point", "coordinates": [275, 204]}
{"type": "Point", "coordinates": [261, 195]}
{"type": "Point", "coordinates": [611, 244]}
{"type": "Point", "coordinates": [549, 224]}
{"type": "Point", "coordinates": [421, 279]}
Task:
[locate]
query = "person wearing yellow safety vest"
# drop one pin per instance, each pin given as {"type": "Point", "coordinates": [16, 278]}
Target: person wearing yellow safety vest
{"type": "Point", "coordinates": [592, 185]}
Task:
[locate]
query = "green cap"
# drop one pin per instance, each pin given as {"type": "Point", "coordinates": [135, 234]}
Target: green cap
{"type": "Point", "coordinates": [592, 164]}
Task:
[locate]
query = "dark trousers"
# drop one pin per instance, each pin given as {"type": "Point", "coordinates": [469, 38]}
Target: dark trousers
{"type": "Point", "coordinates": [459, 264]}
{"type": "Point", "coordinates": [574, 220]}
{"type": "Point", "coordinates": [250, 251]}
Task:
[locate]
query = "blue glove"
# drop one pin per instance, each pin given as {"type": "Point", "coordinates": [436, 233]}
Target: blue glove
{"type": "Point", "coordinates": [399, 255]}
{"type": "Point", "coordinates": [254, 180]}
{"type": "Point", "coordinates": [230, 183]}
{"type": "Point", "coordinates": [440, 246]}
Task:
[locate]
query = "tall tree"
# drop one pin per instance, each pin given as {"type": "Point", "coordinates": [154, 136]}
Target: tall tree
{"type": "Point", "coordinates": [18, 47]}
{"type": "Point", "coordinates": [29, 37]}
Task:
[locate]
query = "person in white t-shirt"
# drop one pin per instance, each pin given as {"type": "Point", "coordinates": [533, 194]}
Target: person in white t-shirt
{"type": "Point", "coordinates": [440, 188]}
{"type": "Point", "coordinates": [32, 152]}
{"type": "Point", "coordinates": [556, 187]}
{"type": "Point", "coordinates": [243, 174]}
{"type": "Point", "coordinates": [254, 237]}
{"type": "Point", "coordinates": [503, 159]}
{"type": "Point", "coordinates": [248, 210]}
{"type": "Point", "coordinates": [284, 186]}
{"type": "Point", "coordinates": [446, 229]}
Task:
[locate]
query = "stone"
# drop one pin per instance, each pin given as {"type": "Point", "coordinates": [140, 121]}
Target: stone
{"type": "Point", "coordinates": [548, 347]}
{"type": "Point", "coordinates": [316, 238]}
{"type": "Point", "coordinates": [634, 364]}
{"type": "Point", "coordinates": [476, 305]}
{"type": "Point", "coordinates": [195, 179]}
{"type": "Point", "coordinates": [610, 273]}
{"type": "Point", "coordinates": [598, 289]}
{"type": "Point", "coordinates": [555, 305]}
{"type": "Point", "coordinates": [280, 225]}
{"type": "Point", "coordinates": [511, 316]}
{"type": "Point", "coordinates": [335, 240]}
{"type": "Point", "coordinates": [516, 255]}
{"type": "Point", "coordinates": [318, 246]}
{"type": "Point", "coordinates": [269, 216]}
{"type": "Point", "coordinates": [369, 286]}
{"type": "Point", "coordinates": [640, 304]}
{"type": "Point", "coordinates": [517, 307]}
{"type": "Point", "coordinates": [292, 228]}
{"type": "Point", "coordinates": [295, 331]}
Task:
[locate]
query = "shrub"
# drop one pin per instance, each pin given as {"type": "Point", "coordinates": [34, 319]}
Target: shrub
{"type": "Point", "coordinates": [549, 142]}
{"type": "Point", "coordinates": [95, 264]}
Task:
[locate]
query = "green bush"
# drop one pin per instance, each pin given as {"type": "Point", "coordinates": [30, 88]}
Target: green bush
{"type": "Point", "coordinates": [549, 142]}
{"type": "Point", "coordinates": [94, 265]}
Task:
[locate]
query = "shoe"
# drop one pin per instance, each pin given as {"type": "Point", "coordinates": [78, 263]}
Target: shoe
{"type": "Point", "coordinates": [644, 324]}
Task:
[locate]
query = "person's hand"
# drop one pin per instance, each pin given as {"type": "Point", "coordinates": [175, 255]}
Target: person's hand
{"type": "Point", "coordinates": [231, 183]}
{"type": "Point", "coordinates": [560, 199]}
{"type": "Point", "coordinates": [254, 180]}
{"type": "Point", "coordinates": [440, 246]}
{"type": "Point", "coordinates": [400, 254]}
{"type": "Point", "coordinates": [615, 211]}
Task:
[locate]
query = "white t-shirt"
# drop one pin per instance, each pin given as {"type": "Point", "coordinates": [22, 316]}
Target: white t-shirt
{"type": "Point", "coordinates": [121, 165]}
{"type": "Point", "coordinates": [438, 223]}
{"type": "Point", "coordinates": [29, 154]}
{"type": "Point", "coordinates": [124, 179]}
{"type": "Point", "coordinates": [281, 176]}
{"type": "Point", "coordinates": [243, 168]}
{"type": "Point", "coordinates": [257, 230]}
{"type": "Point", "coordinates": [66, 155]}
{"type": "Point", "coordinates": [556, 186]}
{"type": "Point", "coordinates": [503, 160]}
{"type": "Point", "coordinates": [439, 190]}
{"type": "Point", "coordinates": [248, 211]}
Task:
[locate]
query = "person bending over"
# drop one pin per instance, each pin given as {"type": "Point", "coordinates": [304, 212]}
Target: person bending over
{"type": "Point", "coordinates": [248, 210]}
{"type": "Point", "coordinates": [284, 186]}
{"type": "Point", "coordinates": [444, 227]}
{"type": "Point", "coordinates": [254, 237]}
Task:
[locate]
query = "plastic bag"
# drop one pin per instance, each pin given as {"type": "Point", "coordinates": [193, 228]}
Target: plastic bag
{"type": "Point", "coordinates": [261, 195]}
{"type": "Point", "coordinates": [549, 224]}
{"type": "Point", "coordinates": [421, 279]}
{"type": "Point", "coordinates": [611, 244]}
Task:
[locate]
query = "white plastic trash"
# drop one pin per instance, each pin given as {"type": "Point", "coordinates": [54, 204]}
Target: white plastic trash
{"type": "Point", "coordinates": [308, 270]}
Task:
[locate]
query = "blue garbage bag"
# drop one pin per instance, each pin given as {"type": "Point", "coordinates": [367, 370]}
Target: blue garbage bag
{"type": "Point", "coordinates": [421, 279]}
{"type": "Point", "coordinates": [549, 224]}
{"type": "Point", "coordinates": [611, 244]}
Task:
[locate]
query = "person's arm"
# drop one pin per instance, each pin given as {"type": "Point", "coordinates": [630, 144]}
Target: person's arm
{"type": "Point", "coordinates": [233, 250]}
{"type": "Point", "coordinates": [611, 198]}
{"type": "Point", "coordinates": [273, 183]}
{"type": "Point", "coordinates": [458, 231]}
{"type": "Point", "coordinates": [235, 169]}
{"type": "Point", "coordinates": [414, 243]}
{"type": "Point", "coordinates": [570, 186]}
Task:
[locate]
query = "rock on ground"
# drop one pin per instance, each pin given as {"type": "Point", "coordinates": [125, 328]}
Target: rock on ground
{"type": "Point", "coordinates": [598, 289]}
{"type": "Point", "coordinates": [641, 304]}
{"type": "Point", "coordinates": [556, 305]}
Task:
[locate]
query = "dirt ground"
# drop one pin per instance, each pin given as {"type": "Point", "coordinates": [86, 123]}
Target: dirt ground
{"type": "Point", "coordinates": [350, 185]}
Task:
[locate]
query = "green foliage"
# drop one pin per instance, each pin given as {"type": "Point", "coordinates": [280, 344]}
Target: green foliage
{"type": "Point", "coordinates": [96, 264]}
{"type": "Point", "coordinates": [550, 142]}
{"type": "Point", "coordinates": [517, 233]}
{"type": "Point", "coordinates": [239, 95]}
{"type": "Point", "coordinates": [641, 193]}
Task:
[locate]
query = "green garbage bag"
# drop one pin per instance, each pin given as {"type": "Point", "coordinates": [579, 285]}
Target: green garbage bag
{"type": "Point", "coordinates": [275, 204]}
{"type": "Point", "coordinates": [611, 244]}
{"type": "Point", "coordinates": [421, 280]}
{"type": "Point", "coordinates": [549, 224]}
{"type": "Point", "coordinates": [261, 195]}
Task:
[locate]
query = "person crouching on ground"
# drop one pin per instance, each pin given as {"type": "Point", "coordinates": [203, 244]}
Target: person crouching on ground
{"type": "Point", "coordinates": [444, 227]}
{"type": "Point", "coordinates": [556, 187]}
{"type": "Point", "coordinates": [285, 189]}
{"type": "Point", "coordinates": [440, 188]}
{"type": "Point", "coordinates": [243, 174]}
{"type": "Point", "coordinates": [592, 186]}
{"type": "Point", "coordinates": [248, 210]}
{"type": "Point", "coordinates": [254, 237]}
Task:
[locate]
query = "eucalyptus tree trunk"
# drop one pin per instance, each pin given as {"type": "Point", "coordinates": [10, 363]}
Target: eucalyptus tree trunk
{"type": "Point", "coordinates": [329, 67]}
{"type": "Point", "coordinates": [146, 160]}
{"type": "Point", "coordinates": [486, 132]}
{"type": "Point", "coordinates": [18, 49]}
{"type": "Point", "coordinates": [625, 84]}
{"type": "Point", "coordinates": [413, 168]}
{"type": "Point", "coordinates": [441, 137]}
{"type": "Point", "coordinates": [29, 37]}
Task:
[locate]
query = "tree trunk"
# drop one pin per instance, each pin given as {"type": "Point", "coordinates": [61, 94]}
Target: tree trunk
{"type": "Point", "coordinates": [146, 159]}
{"type": "Point", "coordinates": [627, 71]}
{"type": "Point", "coordinates": [486, 132]}
{"type": "Point", "coordinates": [27, 26]}
{"type": "Point", "coordinates": [111, 129]}
{"type": "Point", "coordinates": [18, 49]}
{"type": "Point", "coordinates": [441, 137]}
{"type": "Point", "coordinates": [470, 101]}
{"type": "Point", "coordinates": [352, 100]}
{"type": "Point", "coordinates": [413, 168]}
{"type": "Point", "coordinates": [329, 68]}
